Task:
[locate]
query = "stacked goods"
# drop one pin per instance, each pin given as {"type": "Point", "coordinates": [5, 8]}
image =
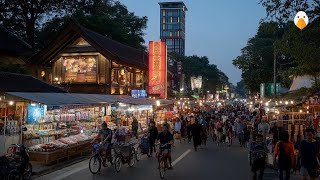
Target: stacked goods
{"type": "Point", "coordinates": [59, 144]}
{"type": "Point", "coordinates": [67, 141]}
{"type": "Point", "coordinates": [44, 148]}
{"type": "Point", "coordinates": [79, 138]}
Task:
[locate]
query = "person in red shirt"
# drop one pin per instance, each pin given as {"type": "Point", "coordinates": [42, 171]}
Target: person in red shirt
{"type": "Point", "coordinates": [284, 150]}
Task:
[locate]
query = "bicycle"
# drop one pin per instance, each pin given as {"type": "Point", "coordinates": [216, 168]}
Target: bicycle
{"type": "Point", "coordinates": [18, 163]}
{"type": "Point", "coordinates": [125, 153]}
{"type": "Point", "coordinates": [97, 159]}
{"type": "Point", "coordinates": [163, 158]}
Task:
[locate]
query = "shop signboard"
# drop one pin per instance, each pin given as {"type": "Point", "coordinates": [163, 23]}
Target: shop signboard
{"type": "Point", "coordinates": [158, 69]}
{"type": "Point", "coordinates": [267, 89]}
{"type": "Point", "coordinates": [80, 68]}
{"type": "Point", "coordinates": [139, 93]}
{"type": "Point", "coordinates": [196, 82]}
{"type": "Point", "coordinates": [313, 102]}
{"type": "Point", "coordinates": [35, 112]}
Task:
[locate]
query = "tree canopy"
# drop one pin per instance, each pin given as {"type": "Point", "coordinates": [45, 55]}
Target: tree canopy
{"type": "Point", "coordinates": [35, 20]}
{"type": "Point", "coordinates": [212, 77]}
{"type": "Point", "coordinates": [301, 46]}
{"type": "Point", "coordinates": [257, 57]}
{"type": "Point", "coordinates": [297, 51]}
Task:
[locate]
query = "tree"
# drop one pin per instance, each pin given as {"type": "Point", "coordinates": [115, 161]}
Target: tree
{"type": "Point", "coordinates": [257, 57]}
{"type": "Point", "coordinates": [301, 46]}
{"type": "Point", "coordinates": [36, 20]}
{"type": "Point", "coordinates": [212, 77]}
{"type": "Point", "coordinates": [241, 88]}
{"type": "Point", "coordinates": [283, 11]}
{"type": "Point", "coordinates": [24, 16]}
{"type": "Point", "coordinates": [111, 19]}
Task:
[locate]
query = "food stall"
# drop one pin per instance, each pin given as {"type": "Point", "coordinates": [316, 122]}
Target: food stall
{"type": "Point", "coordinates": [123, 115]}
{"type": "Point", "coordinates": [62, 125]}
{"type": "Point", "coordinates": [58, 125]}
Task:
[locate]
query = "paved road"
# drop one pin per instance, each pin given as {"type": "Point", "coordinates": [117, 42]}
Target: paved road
{"type": "Point", "coordinates": [208, 163]}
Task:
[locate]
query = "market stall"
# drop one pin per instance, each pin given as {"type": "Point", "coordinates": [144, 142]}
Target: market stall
{"type": "Point", "coordinates": [11, 115]}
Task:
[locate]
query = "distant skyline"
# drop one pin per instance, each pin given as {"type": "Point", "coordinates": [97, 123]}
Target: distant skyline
{"type": "Point", "coordinates": [216, 29]}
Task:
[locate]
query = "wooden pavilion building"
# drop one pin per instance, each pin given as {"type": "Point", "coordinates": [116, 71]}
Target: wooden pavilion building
{"type": "Point", "coordinates": [83, 61]}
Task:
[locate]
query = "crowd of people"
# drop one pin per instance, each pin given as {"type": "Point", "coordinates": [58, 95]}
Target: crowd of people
{"type": "Point", "coordinates": [250, 128]}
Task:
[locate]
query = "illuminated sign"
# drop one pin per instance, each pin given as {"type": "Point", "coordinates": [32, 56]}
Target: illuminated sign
{"type": "Point", "coordinates": [196, 82]}
{"type": "Point", "coordinates": [158, 68]}
{"type": "Point", "coordinates": [139, 93]}
{"type": "Point", "coordinates": [36, 112]}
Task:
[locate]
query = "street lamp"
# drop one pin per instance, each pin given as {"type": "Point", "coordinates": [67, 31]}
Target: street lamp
{"type": "Point", "coordinates": [181, 89]}
{"type": "Point", "coordinates": [158, 103]}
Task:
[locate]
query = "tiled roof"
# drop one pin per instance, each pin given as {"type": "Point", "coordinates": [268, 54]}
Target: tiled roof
{"type": "Point", "coordinates": [113, 50]}
{"type": "Point", "coordinates": [12, 43]}
{"type": "Point", "coordinates": [11, 82]}
{"type": "Point", "coordinates": [123, 52]}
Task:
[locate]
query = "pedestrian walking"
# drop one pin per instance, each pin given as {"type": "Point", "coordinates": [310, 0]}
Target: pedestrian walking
{"type": "Point", "coordinates": [284, 150]}
{"type": "Point", "coordinates": [240, 132]}
{"type": "Point", "coordinates": [309, 154]}
{"type": "Point", "coordinates": [152, 134]}
{"type": "Point", "coordinates": [135, 126]}
{"type": "Point", "coordinates": [257, 157]}
{"type": "Point", "coordinates": [264, 128]}
{"type": "Point", "coordinates": [196, 133]}
{"type": "Point", "coordinates": [189, 127]}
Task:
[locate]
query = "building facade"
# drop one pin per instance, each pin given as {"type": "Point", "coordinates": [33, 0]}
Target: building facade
{"type": "Point", "coordinates": [83, 61]}
{"type": "Point", "coordinates": [172, 26]}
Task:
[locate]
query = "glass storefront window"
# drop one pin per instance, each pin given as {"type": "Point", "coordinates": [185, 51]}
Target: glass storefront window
{"type": "Point", "coordinates": [80, 68]}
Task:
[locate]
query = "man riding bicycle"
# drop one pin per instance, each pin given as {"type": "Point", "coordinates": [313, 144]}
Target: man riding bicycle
{"type": "Point", "coordinates": [105, 136]}
{"type": "Point", "coordinates": [165, 137]}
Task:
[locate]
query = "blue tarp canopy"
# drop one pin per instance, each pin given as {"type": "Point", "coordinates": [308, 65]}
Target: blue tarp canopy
{"type": "Point", "coordinates": [63, 99]}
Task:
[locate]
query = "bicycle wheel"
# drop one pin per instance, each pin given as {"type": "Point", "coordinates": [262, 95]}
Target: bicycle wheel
{"type": "Point", "coordinates": [27, 172]}
{"type": "Point", "coordinates": [95, 164]}
{"type": "Point", "coordinates": [132, 158]}
{"type": "Point", "coordinates": [162, 166]}
{"type": "Point", "coordinates": [138, 153]}
{"type": "Point", "coordinates": [118, 163]}
{"type": "Point", "coordinates": [112, 157]}
{"type": "Point", "coordinates": [14, 175]}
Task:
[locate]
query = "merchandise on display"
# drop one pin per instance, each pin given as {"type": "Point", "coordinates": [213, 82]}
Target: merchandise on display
{"type": "Point", "coordinates": [62, 143]}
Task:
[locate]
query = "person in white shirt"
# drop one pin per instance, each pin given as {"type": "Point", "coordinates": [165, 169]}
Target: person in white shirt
{"type": "Point", "coordinates": [263, 128]}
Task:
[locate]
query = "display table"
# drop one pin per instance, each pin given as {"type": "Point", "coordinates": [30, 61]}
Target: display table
{"type": "Point", "coordinates": [48, 157]}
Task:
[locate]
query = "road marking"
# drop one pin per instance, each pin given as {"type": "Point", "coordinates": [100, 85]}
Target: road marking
{"type": "Point", "coordinates": [181, 157]}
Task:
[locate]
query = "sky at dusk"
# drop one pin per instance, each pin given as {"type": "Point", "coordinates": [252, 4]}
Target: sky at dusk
{"type": "Point", "coordinates": [216, 29]}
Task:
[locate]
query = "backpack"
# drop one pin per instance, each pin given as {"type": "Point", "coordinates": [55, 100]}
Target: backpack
{"type": "Point", "coordinates": [258, 151]}
{"type": "Point", "coordinates": [283, 155]}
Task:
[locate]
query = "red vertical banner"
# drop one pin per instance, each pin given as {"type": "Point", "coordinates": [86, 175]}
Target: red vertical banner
{"type": "Point", "coordinates": [158, 69]}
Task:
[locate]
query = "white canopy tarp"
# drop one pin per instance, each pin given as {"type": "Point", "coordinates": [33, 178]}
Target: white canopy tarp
{"type": "Point", "coordinates": [300, 82]}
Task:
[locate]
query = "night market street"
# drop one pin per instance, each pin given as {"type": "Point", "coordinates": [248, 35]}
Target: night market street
{"type": "Point", "coordinates": [218, 162]}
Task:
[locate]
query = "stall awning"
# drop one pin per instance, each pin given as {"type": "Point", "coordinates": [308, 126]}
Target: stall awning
{"type": "Point", "coordinates": [61, 99]}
